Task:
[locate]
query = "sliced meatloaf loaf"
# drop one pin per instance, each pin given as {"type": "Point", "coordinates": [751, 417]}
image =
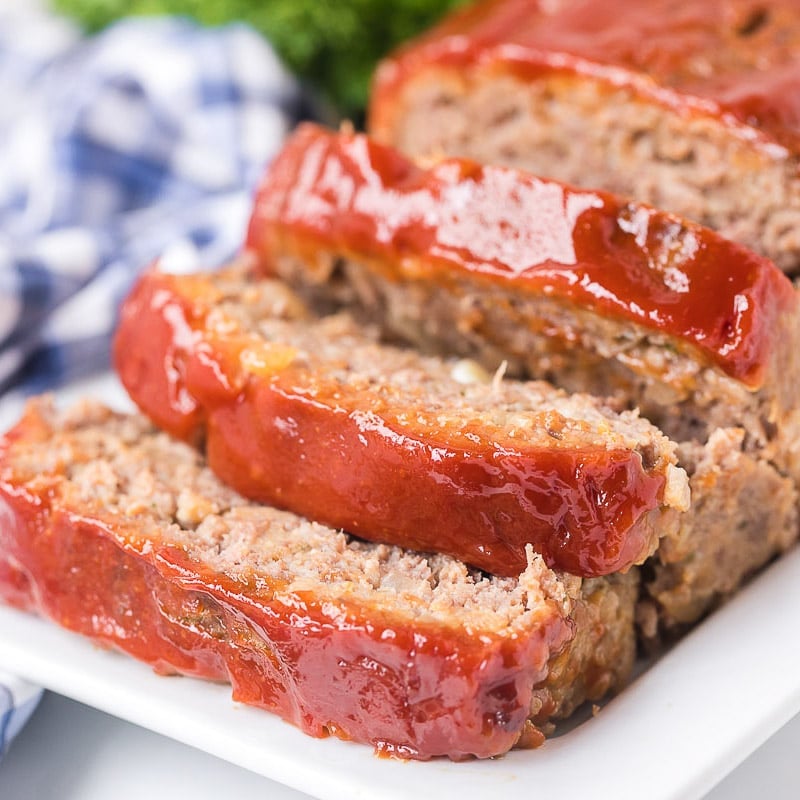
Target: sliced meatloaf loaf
{"type": "Point", "coordinates": [589, 291]}
{"type": "Point", "coordinates": [689, 106]}
{"type": "Point", "coordinates": [114, 530]}
{"type": "Point", "coordinates": [316, 416]}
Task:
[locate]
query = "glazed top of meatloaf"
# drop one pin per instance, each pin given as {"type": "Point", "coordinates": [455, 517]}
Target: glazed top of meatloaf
{"type": "Point", "coordinates": [710, 296]}
{"type": "Point", "coordinates": [736, 59]}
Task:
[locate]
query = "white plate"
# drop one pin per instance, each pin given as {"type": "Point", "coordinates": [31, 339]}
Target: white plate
{"type": "Point", "coordinates": [673, 733]}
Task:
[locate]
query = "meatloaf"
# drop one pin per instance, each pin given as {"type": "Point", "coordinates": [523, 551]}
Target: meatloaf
{"type": "Point", "coordinates": [689, 106]}
{"type": "Point", "coordinates": [582, 288]}
{"type": "Point", "coordinates": [316, 416]}
{"type": "Point", "coordinates": [114, 530]}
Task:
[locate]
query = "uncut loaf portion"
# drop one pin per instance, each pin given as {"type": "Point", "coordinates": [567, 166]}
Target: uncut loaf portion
{"type": "Point", "coordinates": [582, 288]}
{"type": "Point", "coordinates": [317, 416]}
{"type": "Point", "coordinates": [114, 530]}
{"type": "Point", "coordinates": [689, 106]}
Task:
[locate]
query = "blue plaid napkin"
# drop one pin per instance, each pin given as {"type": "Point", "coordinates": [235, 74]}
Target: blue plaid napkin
{"type": "Point", "coordinates": [147, 139]}
{"type": "Point", "coordinates": [144, 141]}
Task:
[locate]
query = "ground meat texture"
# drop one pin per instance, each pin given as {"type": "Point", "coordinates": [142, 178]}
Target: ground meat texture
{"type": "Point", "coordinates": [120, 533]}
{"type": "Point", "coordinates": [687, 108]}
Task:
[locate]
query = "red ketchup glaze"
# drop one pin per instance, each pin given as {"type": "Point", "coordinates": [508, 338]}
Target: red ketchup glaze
{"type": "Point", "coordinates": [278, 441]}
{"type": "Point", "coordinates": [324, 667]}
{"type": "Point", "coordinates": [459, 220]}
{"type": "Point", "coordinates": [738, 60]}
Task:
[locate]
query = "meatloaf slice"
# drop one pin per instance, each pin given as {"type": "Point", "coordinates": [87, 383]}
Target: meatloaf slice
{"type": "Point", "coordinates": [114, 530]}
{"type": "Point", "coordinates": [580, 287]}
{"type": "Point", "coordinates": [689, 106]}
{"type": "Point", "coordinates": [316, 416]}
{"type": "Point", "coordinates": [586, 290]}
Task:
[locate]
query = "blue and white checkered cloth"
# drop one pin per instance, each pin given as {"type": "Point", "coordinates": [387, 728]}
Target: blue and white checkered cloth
{"type": "Point", "coordinates": [146, 140]}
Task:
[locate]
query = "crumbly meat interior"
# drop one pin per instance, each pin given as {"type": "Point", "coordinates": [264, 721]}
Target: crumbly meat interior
{"type": "Point", "coordinates": [744, 513]}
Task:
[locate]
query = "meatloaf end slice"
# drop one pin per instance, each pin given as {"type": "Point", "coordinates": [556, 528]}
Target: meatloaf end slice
{"type": "Point", "coordinates": [317, 416]}
{"type": "Point", "coordinates": [687, 108]}
{"type": "Point", "coordinates": [118, 532]}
